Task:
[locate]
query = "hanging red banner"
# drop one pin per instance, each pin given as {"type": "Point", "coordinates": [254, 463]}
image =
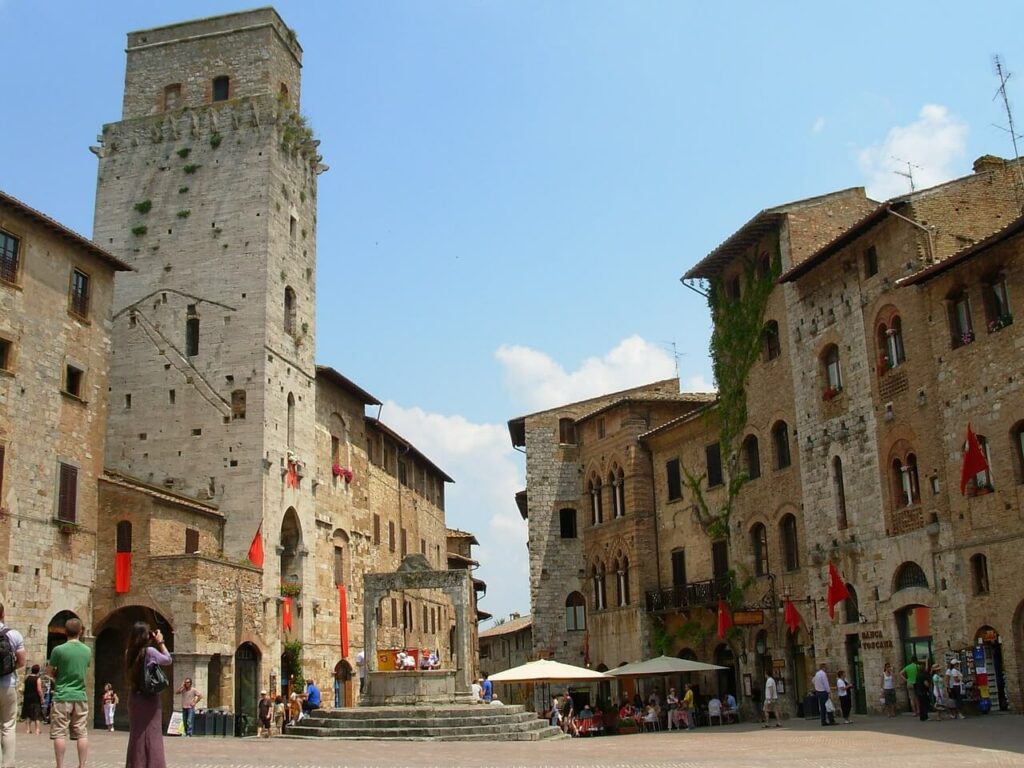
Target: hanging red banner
{"type": "Point", "coordinates": [343, 619]}
{"type": "Point", "coordinates": [286, 613]}
{"type": "Point", "coordinates": [122, 572]}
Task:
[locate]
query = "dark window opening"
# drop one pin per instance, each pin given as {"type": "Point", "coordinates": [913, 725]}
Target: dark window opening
{"type": "Point", "coordinates": [713, 455]}
{"type": "Point", "coordinates": [9, 257]}
{"type": "Point", "coordinates": [871, 262]}
{"type": "Point", "coordinates": [979, 574]}
{"type": "Point", "coordinates": [123, 536]}
{"type": "Point", "coordinates": [780, 440]}
{"type": "Point", "coordinates": [391, 537]}
{"type": "Point", "coordinates": [674, 479]}
{"type": "Point", "coordinates": [221, 88]}
{"type": "Point", "coordinates": [191, 541]}
{"type": "Point", "coordinates": [567, 523]}
{"type": "Point", "coordinates": [5, 355]}
{"type": "Point", "coordinates": [73, 380]}
{"type": "Point", "coordinates": [192, 337]}
{"type": "Point", "coordinates": [771, 347]}
{"type": "Point", "coordinates": [751, 457]}
{"type": "Point", "coordinates": [289, 311]}
{"type": "Point", "coordinates": [79, 293]}
{"type": "Point", "coordinates": [759, 544]}
{"type": "Point", "coordinates": [238, 404]}
{"type": "Point", "coordinates": [909, 575]}
{"type": "Point", "coordinates": [566, 432]}
{"type": "Point", "coordinates": [790, 545]}
{"type": "Point", "coordinates": [678, 567]}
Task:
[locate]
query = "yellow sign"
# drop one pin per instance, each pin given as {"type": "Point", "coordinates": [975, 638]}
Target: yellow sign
{"type": "Point", "coordinates": [748, 618]}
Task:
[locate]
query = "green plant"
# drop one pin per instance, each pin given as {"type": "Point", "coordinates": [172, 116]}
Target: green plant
{"type": "Point", "coordinates": [182, 190]}
{"type": "Point", "coordinates": [184, 152]}
{"type": "Point", "coordinates": [215, 140]}
{"type": "Point", "coordinates": [144, 207]}
{"type": "Point", "coordinates": [184, 213]}
{"type": "Point", "coordinates": [305, 328]}
{"type": "Point", "coordinates": [191, 168]}
{"type": "Point", "coordinates": [292, 662]}
{"type": "Point", "coordinates": [291, 589]}
{"type": "Point", "coordinates": [140, 230]}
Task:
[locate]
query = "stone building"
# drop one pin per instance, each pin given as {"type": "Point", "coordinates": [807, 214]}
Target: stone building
{"type": "Point", "coordinates": [507, 644]}
{"type": "Point", "coordinates": [56, 289]}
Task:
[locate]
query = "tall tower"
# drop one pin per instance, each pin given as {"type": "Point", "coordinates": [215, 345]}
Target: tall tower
{"type": "Point", "coordinates": [207, 188]}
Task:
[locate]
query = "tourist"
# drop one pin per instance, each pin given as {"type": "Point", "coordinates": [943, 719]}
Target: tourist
{"type": "Point", "coordinates": [939, 697]}
{"type": "Point", "coordinates": [110, 702]}
{"type": "Point", "coordinates": [279, 714]}
{"type": "Point", "coordinates": [32, 701]}
{"type": "Point", "coordinates": [771, 700]}
{"type": "Point", "coordinates": [688, 707]}
{"type": "Point", "coordinates": [69, 713]}
{"type": "Point", "coordinates": [554, 716]}
{"type": "Point", "coordinates": [146, 649]}
{"type": "Point", "coordinates": [823, 692]}
{"type": "Point", "coordinates": [889, 690]}
{"type": "Point", "coordinates": [844, 689]}
{"type": "Point", "coordinates": [955, 687]}
{"type": "Point", "coordinates": [672, 701]}
{"type": "Point", "coordinates": [732, 710]}
{"type": "Point", "coordinates": [294, 708]}
{"type": "Point", "coordinates": [909, 676]}
{"type": "Point", "coordinates": [361, 666]}
{"type": "Point", "coordinates": [312, 700]}
{"type": "Point", "coordinates": [189, 698]}
{"type": "Point", "coordinates": [264, 713]}
{"type": "Point", "coordinates": [12, 658]}
{"type": "Point", "coordinates": [921, 690]}
{"type": "Point", "coordinates": [488, 692]}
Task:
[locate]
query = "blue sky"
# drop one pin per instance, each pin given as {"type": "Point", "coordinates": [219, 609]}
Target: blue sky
{"type": "Point", "coordinates": [516, 187]}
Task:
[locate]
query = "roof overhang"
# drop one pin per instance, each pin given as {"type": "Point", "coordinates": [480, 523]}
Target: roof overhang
{"type": "Point", "coordinates": [923, 276]}
{"type": "Point", "coordinates": [336, 378]}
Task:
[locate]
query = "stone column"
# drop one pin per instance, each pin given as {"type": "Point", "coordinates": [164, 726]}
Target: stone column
{"type": "Point", "coordinates": [459, 599]}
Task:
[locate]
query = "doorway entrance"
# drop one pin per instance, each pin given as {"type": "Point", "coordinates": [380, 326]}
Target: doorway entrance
{"type": "Point", "coordinates": [855, 665]}
{"type": "Point", "coordinates": [247, 675]}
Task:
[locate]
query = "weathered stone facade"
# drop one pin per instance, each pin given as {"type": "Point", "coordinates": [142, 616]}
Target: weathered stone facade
{"type": "Point", "coordinates": [507, 645]}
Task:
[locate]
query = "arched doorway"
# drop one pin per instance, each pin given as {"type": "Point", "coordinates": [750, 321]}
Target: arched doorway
{"type": "Point", "coordinates": [55, 632]}
{"type": "Point", "coordinates": [108, 660]}
{"type": "Point", "coordinates": [726, 678]}
{"type": "Point", "coordinates": [291, 546]}
{"type": "Point", "coordinates": [342, 684]}
{"type": "Point", "coordinates": [914, 624]}
{"type": "Point", "coordinates": [247, 677]}
{"type": "Point", "coordinates": [797, 661]}
{"type": "Point", "coordinates": [214, 677]}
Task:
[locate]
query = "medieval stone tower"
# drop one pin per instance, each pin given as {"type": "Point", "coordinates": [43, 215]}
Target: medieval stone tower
{"type": "Point", "coordinates": [207, 187]}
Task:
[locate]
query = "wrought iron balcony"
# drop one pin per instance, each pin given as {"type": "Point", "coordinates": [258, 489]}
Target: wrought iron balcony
{"type": "Point", "coordinates": [691, 595]}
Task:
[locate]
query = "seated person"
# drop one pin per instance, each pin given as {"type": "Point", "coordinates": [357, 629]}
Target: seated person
{"type": "Point", "coordinates": [478, 692]}
{"type": "Point", "coordinates": [587, 712]}
{"type": "Point", "coordinates": [650, 717]}
{"type": "Point", "coordinates": [312, 699]}
{"type": "Point", "coordinates": [432, 661]}
{"type": "Point", "coordinates": [294, 708]}
{"type": "Point", "coordinates": [425, 659]}
{"type": "Point", "coordinates": [732, 711]}
{"type": "Point", "coordinates": [715, 710]}
{"type": "Point", "coordinates": [409, 663]}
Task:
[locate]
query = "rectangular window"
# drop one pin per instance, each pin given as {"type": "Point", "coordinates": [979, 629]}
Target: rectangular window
{"type": "Point", "coordinates": [720, 559]}
{"type": "Point", "coordinates": [713, 454]}
{"type": "Point", "coordinates": [238, 404]}
{"type": "Point", "coordinates": [423, 547]}
{"type": "Point", "coordinates": [221, 88]}
{"type": "Point", "coordinates": [394, 612]}
{"type": "Point", "coordinates": [675, 485]}
{"type": "Point", "coordinates": [391, 537]}
{"type": "Point", "coordinates": [405, 542]}
{"type": "Point", "coordinates": [403, 476]}
{"type": "Point", "coordinates": [191, 541]}
{"type": "Point", "coordinates": [6, 356]}
{"type": "Point", "coordinates": [567, 523]}
{"type": "Point", "coordinates": [79, 293]}
{"type": "Point", "coordinates": [9, 257]}
{"type": "Point", "coordinates": [600, 428]}
{"type": "Point", "coordinates": [871, 262]}
{"type": "Point", "coordinates": [678, 567]}
{"type": "Point", "coordinates": [376, 528]}
{"type": "Point", "coordinates": [67, 494]}
{"type": "Point", "coordinates": [73, 380]}
{"type": "Point", "coordinates": [339, 566]}
{"type": "Point", "coordinates": [192, 336]}
{"type": "Point", "coordinates": [3, 457]}
{"type": "Point", "coordinates": [566, 431]}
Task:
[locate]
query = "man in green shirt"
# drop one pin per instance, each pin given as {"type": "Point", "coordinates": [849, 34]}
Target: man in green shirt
{"type": "Point", "coordinates": [70, 710]}
{"type": "Point", "coordinates": [909, 675]}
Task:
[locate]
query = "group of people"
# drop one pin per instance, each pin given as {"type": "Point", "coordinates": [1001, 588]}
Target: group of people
{"type": "Point", "coordinates": [935, 690]}
{"type": "Point", "coordinates": [563, 715]}
{"type": "Point", "coordinates": [483, 691]}
{"type": "Point", "coordinates": [823, 693]}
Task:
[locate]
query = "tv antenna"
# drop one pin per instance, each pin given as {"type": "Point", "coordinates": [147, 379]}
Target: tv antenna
{"type": "Point", "coordinates": [907, 174]}
{"type": "Point", "coordinates": [1004, 77]}
{"type": "Point", "coordinates": [676, 354]}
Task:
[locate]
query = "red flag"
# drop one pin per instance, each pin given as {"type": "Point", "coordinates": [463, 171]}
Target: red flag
{"type": "Point", "coordinates": [974, 460]}
{"type": "Point", "coordinates": [256, 548]}
{"type": "Point", "coordinates": [724, 619]}
{"type": "Point", "coordinates": [837, 591]}
{"type": "Point", "coordinates": [792, 617]}
{"type": "Point", "coordinates": [292, 477]}
{"type": "Point", "coordinates": [122, 572]}
{"type": "Point", "coordinates": [286, 613]}
{"type": "Point", "coordinates": [343, 614]}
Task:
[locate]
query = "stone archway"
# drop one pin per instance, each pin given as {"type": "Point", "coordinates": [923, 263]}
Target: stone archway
{"type": "Point", "coordinates": [55, 632]}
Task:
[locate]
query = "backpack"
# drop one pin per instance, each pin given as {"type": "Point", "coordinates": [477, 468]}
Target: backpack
{"type": "Point", "coordinates": [8, 659]}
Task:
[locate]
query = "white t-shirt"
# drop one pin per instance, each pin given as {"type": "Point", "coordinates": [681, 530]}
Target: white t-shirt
{"type": "Point", "coordinates": [17, 644]}
{"type": "Point", "coordinates": [478, 692]}
{"type": "Point", "coordinates": [955, 679]}
{"type": "Point", "coordinates": [361, 663]}
{"type": "Point", "coordinates": [771, 690]}
{"type": "Point", "coordinates": [842, 686]}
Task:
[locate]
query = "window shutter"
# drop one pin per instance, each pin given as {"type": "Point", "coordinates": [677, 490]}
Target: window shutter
{"type": "Point", "coordinates": [67, 502]}
{"type": "Point", "coordinates": [2, 461]}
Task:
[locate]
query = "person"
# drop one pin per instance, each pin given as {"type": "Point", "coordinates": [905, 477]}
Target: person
{"type": "Point", "coordinates": [145, 736]}
{"type": "Point", "coordinates": [845, 690]}
{"type": "Point", "coordinates": [823, 692]}
{"type": "Point", "coordinates": [478, 691]}
{"type": "Point", "coordinates": [69, 713]}
{"type": "Point", "coordinates": [688, 707]}
{"type": "Point", "coordinates": [110, 702]}
{"type": "Point", "coordinates": [715, 710]}
{"type": "Point", "coordinates": [488, 687]}
{"type": "Point", "coordinates": [909, 676]}
{"type": "Point", "coordinates": [279, 714]}
{"type": "Point", "coordinates": [433, 662]}
{"type": "Point", "coordinates": [771, 701]}
{"type": "Point", "coordinates": [554, 715]}
{"type": "Point", "coordinates": [889, 690]}
{"type": "Point", "coordinates": [568, 712]}
{"type": "Point", "coordinates": [264, 713]}
{"type": "Point", "coordinates": [12, 658]}
{"type": "Point", "coordinates": [189, 698]}
{"type": "Point", "coordinates": [32, 700]}
{"type": "Point", "coordinates": [732, 710]}
{"type": "Point", "coordinates": [955, 686]}
{"type": "Point", "coordinates": [294, 708]}
{"type": "Point", "coordinates": [921, 692]}
{"type": "Point", "coordinates": [638, 702]}
{"type": "Point", "coordinates": [361, 666]}
{"type": "Point", "coordinates": [939, 697]}
{"type": "Point", "coordinates": [312, 700]}
{"type": "Point", "coordinates": [672, 700]}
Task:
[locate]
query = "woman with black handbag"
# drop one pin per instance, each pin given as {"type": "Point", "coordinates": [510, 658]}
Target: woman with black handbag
{"type": "Point", "coordinates": [144, 659]}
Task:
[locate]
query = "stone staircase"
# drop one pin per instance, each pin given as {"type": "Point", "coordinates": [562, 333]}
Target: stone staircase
{"type": "Point", "coordinates": [438, 723]}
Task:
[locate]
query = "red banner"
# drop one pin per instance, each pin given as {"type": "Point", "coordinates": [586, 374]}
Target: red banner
{"type": "Point", "coordinates": [286, 613]}
{"type": "Point", "coordinates": [256, 548]}
{"type": "Point", "coordinates": [122, 572]}
{"type": "Point", "coordinates": [343, 618]}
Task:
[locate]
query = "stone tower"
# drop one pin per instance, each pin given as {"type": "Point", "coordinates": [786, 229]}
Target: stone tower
{"type": "Point", "coordinates": [207, 188]}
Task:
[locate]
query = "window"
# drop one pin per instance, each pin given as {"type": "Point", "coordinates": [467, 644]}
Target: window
{"type": "Point", "coordinates": [293, 227]}
{"type": "Point", "coordinates": [851, 606]}
{"type": "Point", "coordinates": [79, 298]}
{"type": "Point", "coordinates": [997, 303]}
{"type": "Point", "coordinates": [376, 528]}
{"type": "Point", "coordinates": [6, 354]}
{"type": "Point", "coordinates": [123, 536]}
{"type": "Point", "coordinates": [405, 543]}
{"type": "Point", "coordinates": [618, 483]}
{"type": "Point", "coordinates": [979, 574]}
{"type": "Point", "coordinates": [678, 567]}
{"type": "Point", "coordinates": [771, 347]}
{"type": "Point", "coordinates": [960, 326]}
{"type": "Point", "coordinates": [191, 332]}
{"type": "Point", "coordinates": [713, 456]}
{"type": "Point", "coordinates": [3, 456]}
{"type": "Point", "coordinates": [191, 541]}
{"type": "Point", "coordinates": [567, 523]}
{"type": "Point", "coordinates": [596, 502]}
{"type": "Point", "coordinates": [238, 404]}
{"type": "Point", "coordinates": [1017, 440]}
{"type": "Point", "coordinates": [67, 493]}
{"type": "Point", "coordinates": [597, 574]}
{"type": "Point", "coordinates": [289, 310]}
{"type": "Point", "coordinates": [9, 257]}
{"type": "Point", "coordinates": [759, 544]}
{"type": "Point", "coordinates": [403, 472]}
{"type": "Point", "coordinates": [764, 266]}
{"type": "Point", "coordinates": [73, 378]}
{"type": "Point", "coordinates": [566, 431]}
{"type": "Point", "coordinates": [423, 547]}
{"type": "Point", "coordinates": [622, 571]}
{"type": "Point", "coordinates": [833, 374]}
{"type": "Point", "coordinates": [870, 262]}
{"type": "Point", "coordinates": [172, 96]}
{"type": "Point", "coordinates": [751, 457]}
{"type": "Point", "coordinates": [910, 575]}
{"type": "Point", "coordinates": [575, 613]}
{"type": "Point", "coordinates": [291, 421]}
{"type": "Point", "coordinates": [732, 288]}
{"type": "Point", "coordinates": [674, 481]}
{"type": "Point", "coordinates": [890, 344]}
{"type": "Point", "coordinates": [790, 545]}
{"type": "Point", "coordinates": [221, 88]}
{"type": "Point", "coordinates": [983, 479]}
{"type": "Point", "coordinates": [903, 475]}
{"type": "Point", "coordinates": [394, 612]}
{"type": "Point", "coordinates": [780, 442]}
{"type": "Point", "coordinates": [839, 490]}
{"type": "Point", "coordinates": [391, 537]}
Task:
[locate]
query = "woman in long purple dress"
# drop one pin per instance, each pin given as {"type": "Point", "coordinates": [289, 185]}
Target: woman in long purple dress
{"type": "Point", "coordinates": [145, 736]}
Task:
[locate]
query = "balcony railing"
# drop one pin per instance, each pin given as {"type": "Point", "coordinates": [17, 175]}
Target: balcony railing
{"type": "Point", "coordinates": [694, 594]}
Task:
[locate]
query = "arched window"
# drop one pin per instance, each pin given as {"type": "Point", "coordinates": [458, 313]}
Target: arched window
{"type": "Point", "coordinates": [764, 266]}
{"type": "Point", "coordinates": [600, 594]}
{"type": "Point", "coordinates": [771, 347]}
{"type": "Point", "coordinates": [751, 457]}
{"type": "Point", "coordinates": [124, 536]}
{"type": "Point", "coordinates": [961, 328]}
{"type": "Point", "coordinates": [567, 523]}
{"type": "Point", "coordinates": [905, 487]}
{"type": "Point", "coordinates": [291, 421]}
{"type": "Point", "coordinates": [979, 574]}
{"type": "Point", "coordinates": [596, 502]}
{"type": "Point", "coordinates": [839, 490]}
{"type": "Point", "coordinates": [566, 431]}
{"type": "Point", "coordinates": [832, 371]}
{"type": "Point", "coordinates": [618, 483]}
{"type": "Point", "coordinates": [910, 575]}
{"type": "Point", "coordinates": [221, 88]}
{"type": "Point", "coordinates": [790, 543]}
{"type": "Point", "coordinates": [575, 613]}
{"type": "Point", "coordinates": [759, 545]}
{"type": "Point", "coordinates": [780, 442]}
{"type": "Point", "coordinates": [996, 297]}
{"type": "Point", "coordinates": [894, 342]}
{"type": "Point", "coordinates": [289, 310]}
{"type": "Point", "coordinates": [852, 607]}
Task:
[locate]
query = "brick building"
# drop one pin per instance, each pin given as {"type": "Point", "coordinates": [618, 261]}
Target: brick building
{"type": "Point", "coordinates": [507, 644]}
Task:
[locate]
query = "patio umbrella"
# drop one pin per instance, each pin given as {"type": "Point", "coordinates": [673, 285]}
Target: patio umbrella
{"type": "Point", "coordinates": [546, 670]}
{"type": "Point", "coordinates": [662, 666]}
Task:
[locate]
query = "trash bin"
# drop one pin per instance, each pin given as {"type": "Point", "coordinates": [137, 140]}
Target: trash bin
{"type": "Point", "coordinates": [229, 725]}
{"type": "Point", "coordinates": [811, 706]}
{"type": "Point", "coordinates": [214, 723]}
{"type": "Point", "coordinates": [199, 724]}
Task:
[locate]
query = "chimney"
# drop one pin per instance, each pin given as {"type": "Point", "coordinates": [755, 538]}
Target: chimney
{"type": "Point", "coordinates": [513, 616]}
{"type": "Point", "coordinates": [987, 163]}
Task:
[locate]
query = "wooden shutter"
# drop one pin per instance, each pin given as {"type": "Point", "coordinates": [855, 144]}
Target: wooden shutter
{"type": "Point", "coordinates": [67, 501]}
{"type": "Point", "coordinates": [191, 541]}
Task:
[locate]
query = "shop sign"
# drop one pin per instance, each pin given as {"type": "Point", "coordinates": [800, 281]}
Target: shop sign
{"type": "Point", "coordinates": [988, 636]}
{"type": "Point", "coordinates": [748, 618]}
{"type": "Point", "coordinates": [778, 665]}
{"type": "Point", "coordinates": [873, 638]}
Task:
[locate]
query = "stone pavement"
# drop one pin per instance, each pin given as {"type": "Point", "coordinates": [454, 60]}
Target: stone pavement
{"type": "Point", "coordinates": [996, 740]}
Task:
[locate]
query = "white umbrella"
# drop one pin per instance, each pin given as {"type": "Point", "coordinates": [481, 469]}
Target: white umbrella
{"type": "Point", "coordinates": [546, 670]}
{"type": "Point", "coordinates": [661, 666]}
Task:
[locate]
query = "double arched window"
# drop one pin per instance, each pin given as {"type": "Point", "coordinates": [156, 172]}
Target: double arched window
{"type": "Point", "coordinates": [616, 479]}
{"type": "Point", "coordinates": [759, 545]}
{"type": "Point", "coordinates": [596, 502]}
{"type": "Point", "coordinates": [622, 581]}
{"type": "Point", "coordinates": [906, 490]}
{"type": "Point", "coordinates": [597, 575]}
{"type": "Point", "coordinates": [890, 343]}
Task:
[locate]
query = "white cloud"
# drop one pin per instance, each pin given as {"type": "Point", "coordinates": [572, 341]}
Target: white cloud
{"type": "Point", "coordinates": [535, 381]}
{"type": "Point", "coordinates": [698, 383]}
{"type": "Point", "coordinates": [818, 126]}
{"type": "Point", "coordinates": [934, 142]}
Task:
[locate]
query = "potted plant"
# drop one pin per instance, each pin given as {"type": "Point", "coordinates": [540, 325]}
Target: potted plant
{"type": "Point", "coordinates": [291, 589]}
{"type": "Point", "coordinates": [626, 725]}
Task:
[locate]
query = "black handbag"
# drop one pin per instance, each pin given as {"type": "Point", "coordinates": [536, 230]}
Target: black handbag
{"type": "Point", "coordinates": [153, 679]}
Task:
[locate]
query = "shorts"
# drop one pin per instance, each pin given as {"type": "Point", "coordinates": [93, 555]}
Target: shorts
{"type": "Point", "coordinates": [771, 706]}
{"type": "Point", "coordinates": [890, 695]}
{"type": "Point", "coordinates": [69, 717]}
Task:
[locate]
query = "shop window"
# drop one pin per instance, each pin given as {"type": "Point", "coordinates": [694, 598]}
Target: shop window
{"type": "Point", "coordinates": [961, 328]}
{"type": "Point", "coordinates": [566, 431]}
{"type": "Point", "coordinates": [771, 347]}
{"type": "Point", "coordinates": [979, 574]}
{"type": "Point", "coordinates": [780, 442]}
{"type": "Point", "coordinates": [790, 544]}
{"type": "Point", "coordinates": [751, 457]}
{"type": "Point", "coordinates": [910, 575]}
{"type": "Point", "coordinates": [713, 456]}
{"type": "Point", "coordinates": [567, 523]}
{"type": "Point", "coordinates": [673, 479]}
{"type": "Point", "coordinates": [575, 613]}
{"type": "Point", "coordinates": [759, 545]}
{"type": "Point", "coordinates": [996, 297]}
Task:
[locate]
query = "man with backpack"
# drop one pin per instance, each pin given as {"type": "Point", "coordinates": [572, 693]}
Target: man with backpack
{"type": "Point", "coordinates": [12, 658]}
